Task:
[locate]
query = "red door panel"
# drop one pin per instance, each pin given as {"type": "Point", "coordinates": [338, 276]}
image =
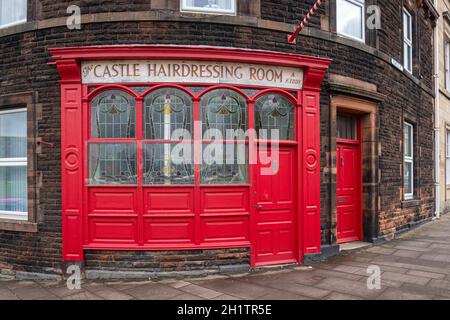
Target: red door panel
{"type": "Point", "coordinates": [348, 193]}
{"type": "Point", "coordinates": [275, 212]}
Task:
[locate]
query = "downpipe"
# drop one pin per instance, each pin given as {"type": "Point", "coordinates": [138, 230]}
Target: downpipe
{"type": "Point", "coordinates": [437, 123]}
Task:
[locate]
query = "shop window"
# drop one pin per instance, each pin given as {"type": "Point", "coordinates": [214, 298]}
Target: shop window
{"type": "Point", "coordinates": [113, 116]}
{"type": "Point", "coordinates": [210, 6]}
{"type": "Point", "coordinates": [12, 12]}
{"type": "Point", "coordinates": [224, 126]}
{"type": "Point", "coordinates": [350, 19]}
{"type": "Point", "coordinates": [407, 40]}
{"type": "Point", "coordinates": [408, 179]}
{"type": "Point", "coordinates": [168, 120]}
{"type": "Point", "coordinates": [13, 164]}
{"type": "Point", "coordinates": [346, 127]}
{"type": "Point", "coordinates": [274, 112]}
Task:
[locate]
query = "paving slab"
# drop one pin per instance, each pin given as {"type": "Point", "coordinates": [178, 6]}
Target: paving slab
{"type": "Point", "coordinates": [415, 266]}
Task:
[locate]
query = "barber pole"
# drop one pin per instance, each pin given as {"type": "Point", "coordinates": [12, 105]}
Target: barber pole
{"type": "Point", "coordinates": [292, 37]}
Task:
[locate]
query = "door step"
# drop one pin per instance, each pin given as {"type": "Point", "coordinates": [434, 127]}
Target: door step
{"type": "Point", "coordinates": [353, 246]}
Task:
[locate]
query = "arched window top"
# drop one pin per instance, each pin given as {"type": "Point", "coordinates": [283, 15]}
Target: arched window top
{"type": "Point", "coordinates": [113, 115]}
{"type": "Point", "coordinates": [274, 112]}
{"type": "Point", "coordinates": [223, 109]}
{"type": "Point", "coordinates": [167, 110]}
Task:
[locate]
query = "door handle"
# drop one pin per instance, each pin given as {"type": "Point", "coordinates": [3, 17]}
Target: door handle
{"type": "Point", "coordinates": [258, 206]}
{"type": "Point", "coordinates": [342, 161]}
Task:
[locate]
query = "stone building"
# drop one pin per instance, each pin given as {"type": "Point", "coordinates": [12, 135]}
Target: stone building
{"type": "Point", "coordinates": [87, 118]}
{"type": "Point", "coordinates": [443, 103]}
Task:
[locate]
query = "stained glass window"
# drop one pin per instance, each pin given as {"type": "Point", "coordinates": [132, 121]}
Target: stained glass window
{"type": "Point", "coordinates": [224, 120]}
{"type": "Point", "coordinates": [167, 110]}
{"type": "Point", "coordinates": [112, 163]}
{"type": "Point", "coordinates": [169, 163]}
{"type": "Point", "coordinates": [223, 110]}
{"type": "Point", "coordinates": [113, 115]}
{"type": "Point", "coordinates": [274, 112]}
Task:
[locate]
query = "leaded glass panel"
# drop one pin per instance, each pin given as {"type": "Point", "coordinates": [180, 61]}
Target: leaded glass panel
{"type": "Point", "coordinates": [169, 163]}
{"type": "Point", "coordinates": [166, 110]}
{"type": "Point", "coordinates": [274, 112]}
{"type": "Point", "coordinates": [112, 163]}
{"type": "Point", "coordinates": [113, 115]}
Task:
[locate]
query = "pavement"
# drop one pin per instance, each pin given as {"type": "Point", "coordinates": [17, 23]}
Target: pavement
{"type": "Point", "coordinates": [415, 266]}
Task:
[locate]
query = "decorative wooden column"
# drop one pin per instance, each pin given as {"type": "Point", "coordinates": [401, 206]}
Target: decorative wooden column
{"type": "Point", "coordinates": [71, 158]}
{"type": "Point", "coordinates": [311, 158]}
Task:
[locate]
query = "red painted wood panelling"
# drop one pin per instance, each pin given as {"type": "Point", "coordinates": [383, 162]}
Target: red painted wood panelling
{"type": "Point", "coordinates": [224, 200]}
{"type": "Point", "coordinates": [225, 229]}
{"type": "Point", "coordinates": [169, 231]}
{"type": "Point", "coordinates": [72, 155]}
{"type": "Point", "coordinates": [168, 201]}
{"type": "Point", "coordinates": [113, 230]}
{"type": "Point", "coordinates": [114, 201]}
{"type": "Point", "coordinates": [311, 172]}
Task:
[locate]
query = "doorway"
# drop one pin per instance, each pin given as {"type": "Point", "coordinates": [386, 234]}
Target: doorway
{"type": "Point", "coordinates": [276, 209]}
{"type": "Point", "coordinates": [349, 179]}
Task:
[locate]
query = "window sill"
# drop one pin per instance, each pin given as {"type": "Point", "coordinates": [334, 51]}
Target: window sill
{"type": "Point", "coordinates": [17, 225]}
{"type": "Point", "coordinates": [410, 203]}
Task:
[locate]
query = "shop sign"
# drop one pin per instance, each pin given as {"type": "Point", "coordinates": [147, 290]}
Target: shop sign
{"type": "Point", "coordinates": [99, 72]}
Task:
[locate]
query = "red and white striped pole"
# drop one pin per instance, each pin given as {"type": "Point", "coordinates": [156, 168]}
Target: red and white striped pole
{"type": "Point", "coordinates": [292, 37]}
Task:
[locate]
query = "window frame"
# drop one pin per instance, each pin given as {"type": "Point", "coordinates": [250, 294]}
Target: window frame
{"type": "Point", "coordinates": [447, 64]}
{"type": "Point", "coordinates": [185, 8]}
{"type": "Point", "coordinates": [447, 157]}
{"type": "Point", "coordinates": [407, 43]}
{"type": "Point", "coordinates": [17, 22]}
{"type": "Point", "coordinates": [95, 90]}
{"type": "Point", "coordinates": [362, 5]}
{"type": "Point", "coordinates": [408, 159]}
{"type": "Point", "coordinates": [15, 162]}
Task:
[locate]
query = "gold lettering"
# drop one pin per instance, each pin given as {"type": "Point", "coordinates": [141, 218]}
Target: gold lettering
{"type": "Point", "coordinates": [136, 71]}
{"type": "Point", "coordinates": [176, 70]}
{"type": "Point", "coordinates": [194, 70]}
{"type": "Point", "coordinates": [238, 73]}
{"type": "Point", "coordinates": [95, 71]}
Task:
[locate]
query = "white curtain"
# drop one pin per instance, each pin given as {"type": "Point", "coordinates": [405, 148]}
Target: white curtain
{"type": "Point", "coordinates": [13, 164]}
{"type": "Point", "coordinates": [219, 4]}
{"type": "Point", "coordinates": [12, 11]}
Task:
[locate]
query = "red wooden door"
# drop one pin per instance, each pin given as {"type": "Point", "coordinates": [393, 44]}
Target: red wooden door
{"type": "Point", "coordinates": [275, 210]}
{"type": "Point", "coordinates": [348, 192]}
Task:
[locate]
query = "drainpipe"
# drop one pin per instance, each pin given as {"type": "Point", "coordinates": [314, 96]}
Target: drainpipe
{"type": "Point", "coordinates": [437, 120]}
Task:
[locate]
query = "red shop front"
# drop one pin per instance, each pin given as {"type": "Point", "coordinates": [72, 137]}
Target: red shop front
{"type": "Point", "coordinates": [120, 107]}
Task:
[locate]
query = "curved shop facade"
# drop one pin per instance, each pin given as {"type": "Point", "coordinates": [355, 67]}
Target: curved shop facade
{"type": "Point", "coordinates": [121, 107]}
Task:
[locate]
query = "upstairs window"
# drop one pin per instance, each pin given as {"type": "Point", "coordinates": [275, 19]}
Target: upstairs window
{"type": "Point", "coordinates": [350, 19]}
{"type": "Point", "coordinates": [407, 41]}
{"type": "Point", "coordinates": [210, 6]}
{"type": "Point", "coordinates": [447, 65]}
{"type": "Point", "coordinates": [12, 12]}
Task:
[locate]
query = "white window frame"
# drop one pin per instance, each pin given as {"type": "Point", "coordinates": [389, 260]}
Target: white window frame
{"type": "Point", "coordinates": [447, 157]}
{"type": "Point", "coordinates": [447, 64]}
{"type": "Point", "coordinates": [13, 162]}
{"type": "Point", "coordinates": [6, 25]}
{"type": "Point", "coordinates": [409, 159]}
{"type": "Point", "coordinates": [185, 8]}
{"type": "Point", "coordinates": [407, 43]}
{"type": "Point", "coordinates": [361, 4]}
